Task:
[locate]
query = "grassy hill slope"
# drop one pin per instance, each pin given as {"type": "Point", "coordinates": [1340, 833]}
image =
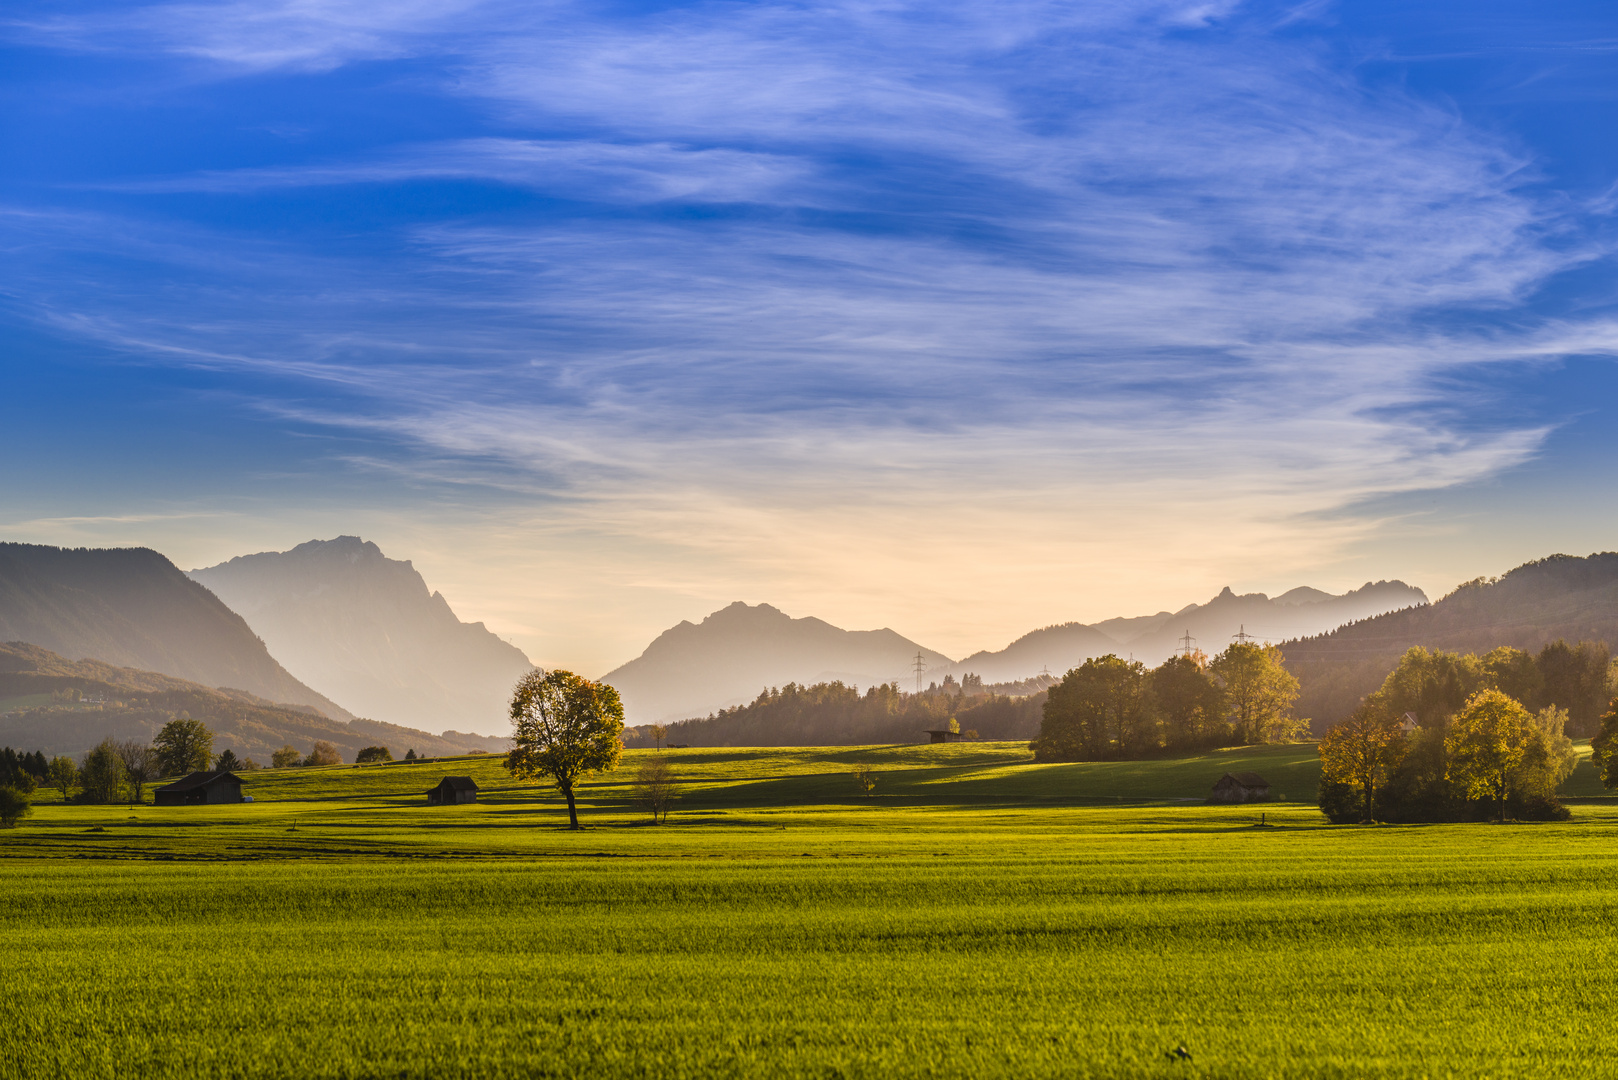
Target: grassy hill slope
{"type": "Point", "coordinates": [65, 706]}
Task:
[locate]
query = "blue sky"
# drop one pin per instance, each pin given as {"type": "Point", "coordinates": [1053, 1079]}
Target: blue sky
{"type": "Point", "coordinates": [962, 319]}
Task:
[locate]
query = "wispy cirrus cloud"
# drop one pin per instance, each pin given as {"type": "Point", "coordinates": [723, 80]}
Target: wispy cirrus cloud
{"type": "Point", "coordinates": [794, 279]}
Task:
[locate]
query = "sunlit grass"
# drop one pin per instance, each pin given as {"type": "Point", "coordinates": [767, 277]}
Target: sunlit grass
{"type": "Point", "coordinates": [1009, 923]}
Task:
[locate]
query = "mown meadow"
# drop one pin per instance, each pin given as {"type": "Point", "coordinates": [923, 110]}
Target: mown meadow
{"type": "Point", "coordinates": [977, 916]}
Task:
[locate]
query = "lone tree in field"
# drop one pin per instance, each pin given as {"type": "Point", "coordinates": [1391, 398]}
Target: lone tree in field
{"type": "Point", "coordinates": [227, 761]}
{"type": "Point", "coordinates": [323, 753]}
{"type": "Point", "coordinates": [866, 779]}
{"type": "Point", "coordinates": [183, 746]}
{"type": "Point", "coordinates": [654, 787]}
{"type": "Point", "coordinates": [1365, 750]}
{"type": "Point", "coordinates": [286, 758]}
{"type": "Point", "coordinates": [658, 732]}
{"type": "Point", "coordinates": [1485, 743]}
{"type": "Point", "coordinates": [372, 754]}
{"type": "Point", "coordinates": [564, 727]}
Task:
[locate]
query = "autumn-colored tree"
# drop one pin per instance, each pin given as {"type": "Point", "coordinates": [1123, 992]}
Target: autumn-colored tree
{"type": "Point", "coordinates": [564, 727]}
{"type": "Point", "coordinates": [658, 732]}
{"type": "Point", "coordinates": [1433, 685]}
{"type": "Point", "coordinates": [183, 746]}
{"type": "Point", "coordinates": [286, 758]}
{"type": "Point", "coordinates": [1604, 747]}
{"type": "Point", "coordinates": [1485, 744]}
{"type": "Point", "coordinates": [654, 787]}
{"type": "Point", "coordinates": [323, 753]}
{"type": "Point", "coordinates": [1258, 692]}
{"type": "Point", "coordinates": [1364, 750]}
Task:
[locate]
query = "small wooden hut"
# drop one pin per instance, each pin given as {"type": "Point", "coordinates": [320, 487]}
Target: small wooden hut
{"type": "Point", "coordinates": [452, 790]}
{"type": "Point", "coordinates": [943, 736]}
{"type": "Point", "coordinates": [1240, 788]}
{"type": "Point", "coordinates": [201, 788]}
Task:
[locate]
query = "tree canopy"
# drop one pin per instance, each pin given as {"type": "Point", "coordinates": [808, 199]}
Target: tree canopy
{"type": "Point", "coordinates": [1486, 742]}
{"type": "Point", "coordinates": [564, 727]}
{"type": "Point", "coordinates": [1364, 751]}
{"type": "Point", "coordinates": [183, 746]}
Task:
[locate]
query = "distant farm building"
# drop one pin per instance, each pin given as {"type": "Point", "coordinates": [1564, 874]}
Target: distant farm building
{"type": "Point", "coordinates": [1409, 724]}
{"type": "Point", "coordinates": [1241, 787]}
{"type": "Point", "coordinates": [452, 790]}
{"type": "Point", "coordinates": [943, 736]}
{"type": "Point", "coordinates": [201, 788]}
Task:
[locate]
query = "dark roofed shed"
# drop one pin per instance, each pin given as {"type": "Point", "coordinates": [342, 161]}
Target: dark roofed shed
{"type": "Point", "coordinates": [452, 790]}
{"type": "Point", "coordinates": [1241, 787]}
{"type": "Point", "coordinates": [201, 788]}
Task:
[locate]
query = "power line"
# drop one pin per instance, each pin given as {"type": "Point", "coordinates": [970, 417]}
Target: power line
{"type": "Point", "coordinates": [920, 666]}
{"type": "Point", "coordinates": [1187, 643]}
{"type": "Point", "coordinates": [1241, 635]}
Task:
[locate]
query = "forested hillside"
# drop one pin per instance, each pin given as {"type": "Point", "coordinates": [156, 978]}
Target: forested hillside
{"type": "Point", "coordinates": [132, 607]}
{"type": "Point", "coordinates": [62, 706]}
{"type": "Point", "coordinates": [832, 714]}
{"type": "Point", "coordinates": [1558, 598]}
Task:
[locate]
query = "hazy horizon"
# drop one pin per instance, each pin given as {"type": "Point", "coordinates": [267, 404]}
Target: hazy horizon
{"type": "Point", "coordinates": [956, 320]}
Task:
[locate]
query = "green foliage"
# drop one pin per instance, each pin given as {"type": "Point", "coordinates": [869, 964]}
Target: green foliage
{"type": "Point", "coordinates": [566, 728]}
{"type": "Point", "coordinates": [655, 790]}
{"type": "Point", "coordinates": [14, 805]}
{"type": "Point", "coordinates": [183, 746]}
{"type": "Point", "coordinates": [63, 774]}
{"type": "Point", "coordinates": [286, 758]}
{"type": "Point", "coordinates": [1188, 703]}
{"type": "Point", "coordinates": [228, 761]}
{"type": "Point", "coordinates": [322, 753]}
{"type": "Point", "coordinates": [410, 755]}
{"type": "Point", "coordinates": [101, 774]}
{"type": "Point", "coordinates": [373, 754]}
{"type": "Point", "coordinates": [864, 779]}
{"type": "Point", "coordinates": [834, 714]}
{"type": "Point", "coordinates": [1097, 711]}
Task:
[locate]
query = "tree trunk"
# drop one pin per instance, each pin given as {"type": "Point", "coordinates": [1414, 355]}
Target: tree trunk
{"type": "Point", "coordinates": [1370, 804]}
{"type": "Point", "coordinates": [572, 812]}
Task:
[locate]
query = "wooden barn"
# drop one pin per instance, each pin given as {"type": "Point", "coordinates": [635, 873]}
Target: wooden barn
{"type": "Point", "coordinates": [1240, 788]}
{"type": "Point", "coordinates": [452, 790]}
{"type": "Point", "coordinates": [943, 736]}
{"type": "Point", "coordinates": [201, 788]}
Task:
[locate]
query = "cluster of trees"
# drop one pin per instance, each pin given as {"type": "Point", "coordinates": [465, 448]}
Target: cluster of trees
{"type": "Point", "coordinates": [833, 713]}
{"type": "Point", "coordinates": [1457, 737]}
{"type": "Point", "coordinates": [1110, 708]}
{"type": "Point", "coordinates": [116, 771]}
{"type": "Point", "coordinates": [321, 753]}
{"type": "Point", "coordinates": [21, 773]}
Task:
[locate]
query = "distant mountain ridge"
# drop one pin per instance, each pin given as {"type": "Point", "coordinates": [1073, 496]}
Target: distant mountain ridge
{"type": "Point", "coordinates": [135, 704]}
{"type": "Point", "coordinates": [692, 670]}
{"type": "Point", "coordinates": [366, 630]}
{"type": "Point", "coordinates": [132, 607]}
{"type": "Point", "coordinates": [695, 669]}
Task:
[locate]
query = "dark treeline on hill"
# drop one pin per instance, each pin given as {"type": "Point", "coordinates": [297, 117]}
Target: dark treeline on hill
{"type": "Point", "coordinates": [1109, 708]}
{"type": "Point", "coordinates": [1538, 603]}
{"type": "Point", "coordinates": [68, 707]}
{"type": "Point", "coordinates": [1458, 737]}
{"type": "Point", "coordinates": [832, 714]}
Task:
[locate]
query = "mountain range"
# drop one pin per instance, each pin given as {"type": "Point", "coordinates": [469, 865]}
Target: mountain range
{"type": "Point", "coordinates": [65, 706]}
{"type": "Point", "coordinates": [369, 633]}
{"type": "Point", "coordinates": [695, 669]}
{"type": "Point", "coordinates": [131, 607]}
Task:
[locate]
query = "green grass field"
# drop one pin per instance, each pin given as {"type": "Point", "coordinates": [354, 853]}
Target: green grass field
{"type": "Point", "coordinates": [979, 916]}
